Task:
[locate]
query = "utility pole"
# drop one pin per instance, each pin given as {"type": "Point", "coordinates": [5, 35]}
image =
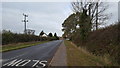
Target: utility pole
{"type": "Point", "coordinates": [25, 21]}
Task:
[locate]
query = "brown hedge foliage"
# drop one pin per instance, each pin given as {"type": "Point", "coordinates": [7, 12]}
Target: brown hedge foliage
{"type": "Point", "coordinates": [104, 41]}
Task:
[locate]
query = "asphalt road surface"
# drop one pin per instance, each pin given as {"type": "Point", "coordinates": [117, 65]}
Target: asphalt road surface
{"type": "Point", "coordinates": [38, 55]}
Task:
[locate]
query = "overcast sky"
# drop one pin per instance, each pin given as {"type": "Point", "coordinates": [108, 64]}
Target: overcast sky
{"type": "Point", "coordinates": [46, 16]}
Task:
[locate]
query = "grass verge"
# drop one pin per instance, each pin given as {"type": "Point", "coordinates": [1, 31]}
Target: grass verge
{"type": "Point", "coordinates": [11, 47]}
{"type": "Point", "coordinates": [81, 57]}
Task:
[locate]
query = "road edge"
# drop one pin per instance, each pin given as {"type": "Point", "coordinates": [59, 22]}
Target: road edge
{"type": "Point", "coordinates": [49, 64]}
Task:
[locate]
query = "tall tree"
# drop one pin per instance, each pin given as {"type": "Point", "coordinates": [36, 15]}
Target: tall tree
{"type": "Point", "coordinates": [86, 17]}
{"type": "Point", "coordinates": [95, 10]}
{"type": "Point", "coordinates": [41, 33]}
{"type": "Point", "coordinates": [55, 35]}
{"type": "Point", "coordinates": [69, 25]}
{"type": "Point", "coordinates": [50, 35]}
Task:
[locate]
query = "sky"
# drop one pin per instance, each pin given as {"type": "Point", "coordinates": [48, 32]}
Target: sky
{"type": "Point", "coordinates": [46, 16]}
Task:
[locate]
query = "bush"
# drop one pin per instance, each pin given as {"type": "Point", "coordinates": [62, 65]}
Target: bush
{"type": "Point", "coordinates": [104, 41]}
{"type": "Point", "coordinates": [53, 38]}
{"type": "Point", "coordinates": [8, 37]}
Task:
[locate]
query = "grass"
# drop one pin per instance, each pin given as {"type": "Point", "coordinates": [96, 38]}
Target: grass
{"type": "Point", "coordinates": [11, 47]}
{"type": "Point", "coordinates": [81, 57]}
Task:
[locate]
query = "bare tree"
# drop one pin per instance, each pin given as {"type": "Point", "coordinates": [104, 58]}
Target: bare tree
{"type": "Point", "coordinates": [95, 10]}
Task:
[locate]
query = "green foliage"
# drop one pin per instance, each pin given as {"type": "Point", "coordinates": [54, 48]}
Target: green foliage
{"type": "Point", "coordinates": [56, 37]}
{"type": "Point", "coordinates": [69, 26]}
{"type": "Point", "coordinates": [16, 46]}
{"type": "Point", "coordinates": [77, 24]}
{"type": "Point", "coordinates": [9, 37]}
{"type": "Point", "coordinates": [84, 28]}
{"type": "Point", "coordinates": [77, 27]}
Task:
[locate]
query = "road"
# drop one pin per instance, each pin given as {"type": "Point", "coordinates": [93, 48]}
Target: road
{"type": "Point", "coordinates": [38, 55]}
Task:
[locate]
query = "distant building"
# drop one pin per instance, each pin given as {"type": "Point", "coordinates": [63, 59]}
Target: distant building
{"type": "Point", "coordinates": [30, 32]}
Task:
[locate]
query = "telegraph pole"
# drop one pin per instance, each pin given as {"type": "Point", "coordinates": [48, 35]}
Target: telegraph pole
{"type": "Point", "coordinates": [25, 21]}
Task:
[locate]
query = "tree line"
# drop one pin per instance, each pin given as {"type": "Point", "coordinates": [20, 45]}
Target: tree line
{"type": "Point", "coordinates": [9, 37]}
{"type": "Point", "coordinates": [86, 17]}
{"type": "Point", "coordinates": [50, 36]}
{"type": "Point", "coordinates": [83, 28]}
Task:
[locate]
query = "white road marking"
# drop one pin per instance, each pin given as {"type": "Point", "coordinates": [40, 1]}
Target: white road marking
{"type": "Point", "coordinates": [16, 62]}
{"type": "Point", "coordinates": [37, 61]}
{"type": "Point", "coordinates": [26, 62]}
{"type": "Point", "coordinates": [10, 63]}
{"type": "Point", "coordinates": [43, 63]}
{"type": "Point", "coordinates": [20, 63]}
